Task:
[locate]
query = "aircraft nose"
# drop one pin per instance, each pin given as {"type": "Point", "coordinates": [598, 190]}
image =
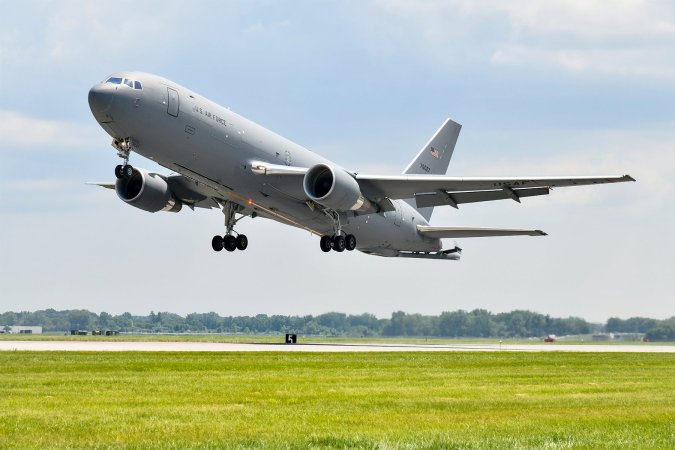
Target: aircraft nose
{"type": "Point", "coordinates": [100, 99]}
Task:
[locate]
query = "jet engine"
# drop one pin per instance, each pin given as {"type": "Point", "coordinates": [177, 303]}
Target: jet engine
{"type": "Point", "coordinates": [147, 191]}
{"type": "Point", "coordinates": [335, 189]}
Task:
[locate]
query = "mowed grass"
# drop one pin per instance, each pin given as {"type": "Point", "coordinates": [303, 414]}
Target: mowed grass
{"type": "Point", "coordinates": [337, 400]}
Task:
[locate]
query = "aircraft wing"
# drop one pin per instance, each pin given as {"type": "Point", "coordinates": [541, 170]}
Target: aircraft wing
{"type": "Point", "coordinates": [435, 190]}
{"type": "Point", "coordinates": [458, 232]}
{"type": "Point", "coordinates": [104, 184]}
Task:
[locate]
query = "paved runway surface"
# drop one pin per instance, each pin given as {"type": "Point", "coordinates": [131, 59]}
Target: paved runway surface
{"type": "Point", "coordinates": [116, 346]}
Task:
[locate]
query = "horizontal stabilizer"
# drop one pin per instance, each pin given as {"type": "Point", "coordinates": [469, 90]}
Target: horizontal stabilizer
{"type": "Point", "coordinates": [458, 232]}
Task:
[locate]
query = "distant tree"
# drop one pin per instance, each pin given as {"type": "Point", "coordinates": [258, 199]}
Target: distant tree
{"type": "Point", "coordinates": [333, 320]}
{"type": "Point", "coordinates": [104, 320]}
{"type": "Point", "coordinates": [8, 318]}
{"type": "Point", "coordinates": [80, 319]}
{"type": "Point", "coordinates": [662, 332]}
{"type": "Point", "coordinates": [614, 325]}
{"type": "Point", "coordinates": [454, 324]}
{"type": "Point", "coordinates": [631, 325]}
{"type": "Point", "coordinates": [396, 325]}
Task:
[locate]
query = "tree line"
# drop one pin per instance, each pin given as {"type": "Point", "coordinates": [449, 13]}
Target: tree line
{"type": "Point", "coordinates": [476, 323]}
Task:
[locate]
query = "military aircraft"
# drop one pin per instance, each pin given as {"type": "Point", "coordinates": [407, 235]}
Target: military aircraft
{"type": "Point", "coordinates": [223, 160]}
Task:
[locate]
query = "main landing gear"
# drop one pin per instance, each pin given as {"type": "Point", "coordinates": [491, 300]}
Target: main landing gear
{"type": "Point", "coordinates": [123, 147]}
{"type": "Point", "coordinates": [230, 242]}
{"type": "Point", "coordinates": [337, 241]}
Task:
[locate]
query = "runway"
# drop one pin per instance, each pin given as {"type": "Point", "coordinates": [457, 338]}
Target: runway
{"type": "Point", "coordinates": [117, 346]}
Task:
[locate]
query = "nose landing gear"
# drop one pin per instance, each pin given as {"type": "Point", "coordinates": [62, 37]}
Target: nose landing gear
{"type": "Point", "coordinates": [230, 242]}
{"type": "Point", "coordinates": [123, 147]}
{"type": "Point", "coordinates": [123, 171]}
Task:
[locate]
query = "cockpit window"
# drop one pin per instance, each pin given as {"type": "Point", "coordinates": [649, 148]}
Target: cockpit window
{"type": "Point", "coordinates": [133, 84]}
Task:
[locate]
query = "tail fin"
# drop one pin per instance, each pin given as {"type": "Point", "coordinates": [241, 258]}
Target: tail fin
{"type": "Point", "coordinates": [434, 157]}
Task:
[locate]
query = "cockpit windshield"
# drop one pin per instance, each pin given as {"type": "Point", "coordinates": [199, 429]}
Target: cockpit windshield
{"type": "Point", "coordinates": [133, 84]}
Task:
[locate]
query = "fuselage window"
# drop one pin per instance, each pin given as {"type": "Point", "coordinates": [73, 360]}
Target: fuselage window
{"type": "Point", "coordinates": [129, 83]}
{"type": "Point", "coordinates": [114, 80]}
{"type": "Point", "coordinates": [137, 85]}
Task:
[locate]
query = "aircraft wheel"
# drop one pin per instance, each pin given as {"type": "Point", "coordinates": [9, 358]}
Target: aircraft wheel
{"type": "Point", "coordinates": [229, 243]}
{"type": "Point", "coordinates": [350, 242]}
{"type": "Point", "coordinates": [242, 242]}
{"type": "Point", "coordinates": [127, 171]}
{"type": "Point", "coordinates": [118, 171]}
{"type": "Point", "coordinates": [339, 244]}
{"type": "Point", "coordinates": [217, 243]}
{"type": "Point", "coordinates": [326, 243]}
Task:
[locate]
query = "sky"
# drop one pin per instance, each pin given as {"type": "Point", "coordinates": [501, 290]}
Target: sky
{"type": "Point", "coordinates": [573, 87]}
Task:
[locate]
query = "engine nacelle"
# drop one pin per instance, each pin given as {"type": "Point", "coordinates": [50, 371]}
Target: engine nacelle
{"type": "Point", "coordinates": [334, 189]}
{"type": "Point", "coordinates": [147, 191]}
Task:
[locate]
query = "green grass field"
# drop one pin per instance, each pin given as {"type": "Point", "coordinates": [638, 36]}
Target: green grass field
{"type": "Point", "coordinates": [337, 400]}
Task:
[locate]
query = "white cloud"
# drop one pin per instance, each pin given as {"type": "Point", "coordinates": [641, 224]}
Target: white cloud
{"type": "Point", "coordinates": [35, 185]}
{"type": "Point", "coordinates": [72, 31]}
{"type": "Point", "coordinates": [650, 62]}
{"type": "Point", "coordinates": [626, 37]}
{"type": "Point", "coordinates": [25, 131]}
{"type": "Point", "coordinates": [646, 155]}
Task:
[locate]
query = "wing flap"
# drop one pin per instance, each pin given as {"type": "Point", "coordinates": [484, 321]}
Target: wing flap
{"type": "Point", "coordinates": [461, 232]}
{"type": "Point", "coordinates": [407, 186]}
{"type": "Point", "coordinates": [441, 198]}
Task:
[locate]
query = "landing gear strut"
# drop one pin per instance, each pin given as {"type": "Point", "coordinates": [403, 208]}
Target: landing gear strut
{"type": "Point", "coordinates": [230, 242]}
{"type": "Point", "coordinates": [123, 147]}
{"type": "Point", "coordinates": [337, 241]}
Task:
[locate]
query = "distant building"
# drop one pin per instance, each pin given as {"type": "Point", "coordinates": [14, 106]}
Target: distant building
{"type": "Point", "coordinates": [20, 329]}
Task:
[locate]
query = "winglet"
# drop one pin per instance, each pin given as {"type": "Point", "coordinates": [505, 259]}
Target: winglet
{"type": "Point", "coordinates": [627, 178]}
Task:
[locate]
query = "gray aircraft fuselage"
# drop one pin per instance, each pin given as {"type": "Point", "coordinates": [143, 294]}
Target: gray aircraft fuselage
{"type": "Point", "coordinates": [215, 148]}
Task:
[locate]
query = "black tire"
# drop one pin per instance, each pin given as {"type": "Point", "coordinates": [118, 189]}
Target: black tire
{"type": "Point", "coordinates": [229, 243]}
{"type": "Point", "coordinates": [350, 242]}
{"type": "Point", "coordinates": [217, 243]}
{"type": "Point", "coordinates": [339, 244]}
{"type": "Point", "coordinates": [118, 172]}
{"type": "Point", "coordinates": [326, 243]}
{"type": "Point", "coordinates": [242, 242]}
{"type": "Point", "coordinates": [127, 171]}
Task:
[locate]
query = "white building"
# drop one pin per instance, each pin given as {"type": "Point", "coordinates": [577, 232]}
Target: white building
{"type": "Point", "coordinates": [20, 329]}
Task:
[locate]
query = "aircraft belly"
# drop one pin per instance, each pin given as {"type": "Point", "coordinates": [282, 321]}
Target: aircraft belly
{"type": "Point", "coordinates": [385, 232]}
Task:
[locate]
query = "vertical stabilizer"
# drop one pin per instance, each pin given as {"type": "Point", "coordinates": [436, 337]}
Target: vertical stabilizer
{"type": "Point", "coordinates": [434, 157]}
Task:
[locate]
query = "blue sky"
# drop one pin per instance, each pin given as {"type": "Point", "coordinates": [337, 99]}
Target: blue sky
{"type": "Point", "coordinates": [541, 88]}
